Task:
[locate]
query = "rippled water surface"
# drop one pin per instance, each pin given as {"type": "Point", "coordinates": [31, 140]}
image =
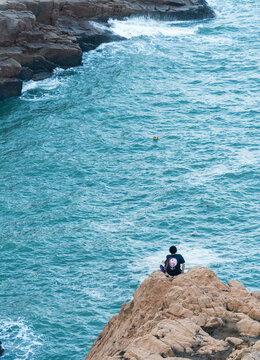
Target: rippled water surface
{"type": "Point", "coordinates": [90, 203]}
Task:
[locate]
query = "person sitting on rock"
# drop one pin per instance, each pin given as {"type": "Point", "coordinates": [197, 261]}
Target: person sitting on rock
{"type": "Point", "coordinates": [174, 263]}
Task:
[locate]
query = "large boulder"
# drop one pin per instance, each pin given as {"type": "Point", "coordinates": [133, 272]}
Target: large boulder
{"type": "Point", "coordinates": [194, 315]}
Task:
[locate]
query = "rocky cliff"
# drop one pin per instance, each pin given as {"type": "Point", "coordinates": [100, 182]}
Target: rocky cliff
{"type": "Point", "coordinates": [191, 316]}
{"type": "Point", "coordinates": [38, 35]}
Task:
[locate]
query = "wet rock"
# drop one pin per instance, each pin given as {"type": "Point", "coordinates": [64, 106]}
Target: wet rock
{"type": "Point", "coordinates": [10, 87]}
{"type": "Point", "coordinates": [40, 68]}
{"type": "Point", "coordinates": [184, 317]}
{"type": "Point", "coordinates": [1, 349]}
{"type": "Point", "coordinates": [62, 55]}
{"type": "Point", "coordinates": [91, 41]}
{"type": "Point", "coordinates": [25, 74]}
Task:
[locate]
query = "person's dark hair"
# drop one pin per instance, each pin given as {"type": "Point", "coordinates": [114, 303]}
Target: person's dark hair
{"type": "Point", "coordinates": [173, 249]}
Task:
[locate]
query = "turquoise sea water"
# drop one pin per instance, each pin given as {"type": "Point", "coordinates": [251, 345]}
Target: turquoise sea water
{"type": "Point", "coordinates": [90, 204]}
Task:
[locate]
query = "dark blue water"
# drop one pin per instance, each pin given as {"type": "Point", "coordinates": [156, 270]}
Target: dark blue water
{"type": "Point", "coordinates": [90, 203]}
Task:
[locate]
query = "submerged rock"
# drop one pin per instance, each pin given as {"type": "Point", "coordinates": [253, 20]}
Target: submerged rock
{"type": "Point", "coordinates": [191, 316]}
{"type": "Point", "coordinates": [1, 349]}
{"type": "Point", "coordinates": [36, 36]}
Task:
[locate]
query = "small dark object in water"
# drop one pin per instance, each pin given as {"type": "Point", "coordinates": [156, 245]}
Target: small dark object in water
{"type": "Point", "coordinates": [155, 138]}
{"type": "Point", "coordinates": [207, 205]}
{"type": "Point", "coordinates": [1, 349]}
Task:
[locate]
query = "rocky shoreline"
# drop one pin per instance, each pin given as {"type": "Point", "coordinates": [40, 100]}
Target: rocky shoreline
{"type": "Point", "coordinates": [36, 36]}
{"type": "Point", "coordinates": [191, 316]}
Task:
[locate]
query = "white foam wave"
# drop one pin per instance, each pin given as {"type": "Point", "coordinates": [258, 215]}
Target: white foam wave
{"type": "Point", "coordinates": [18, 339]}
{"type": "Point", "coordinates": [242, 158]}
{"type": "Point", "coordinates": [200, 177]}
{"type": "Point", "coordinates": [93, 294]}
{"type": "Point", "coordinates": [200, 256]}
{"type": "Point", "coordinates": [98, 26]}
{"type": "Point", "coordinates": [30, 85]}
{"type": "Point", "coordinates": [248, 157]}
{"type": "Point", "coordinates": [46, 84]}
{"type": "Point", "coordinates": [143, 26]}
{"type": "Point", "coordinates": [219, 40]}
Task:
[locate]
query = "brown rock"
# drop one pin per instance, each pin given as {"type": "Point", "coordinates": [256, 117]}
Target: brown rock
{"type": "Point", "coordinates": [256, 294]}
{"type": "Point", "coordinates": [190, 316]}
{"type": "Point", "coordinates": [256, 346]}
{"type": "Point", "coordinates": [234, 340]}
{"type": "Point", "coordinates": [236, 284]}
{"type": "Point", "coordinates": [248, 327]}
{"type": "Point", "coordinates": [246, 351]}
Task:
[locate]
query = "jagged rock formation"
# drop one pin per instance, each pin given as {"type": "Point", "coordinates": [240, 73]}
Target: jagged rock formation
{"type": "Point", "coordinates": [38, 35]}
{"type": "Point", "coordinates": [191, 316]}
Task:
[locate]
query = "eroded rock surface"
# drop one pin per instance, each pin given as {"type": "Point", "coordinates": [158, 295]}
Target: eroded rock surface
{"type": "Point", "coordinates": [43, 34]}
{"type": "Point", "coordinates": [191, 316]}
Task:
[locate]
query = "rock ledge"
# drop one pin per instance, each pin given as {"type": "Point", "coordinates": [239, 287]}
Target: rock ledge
{"type": "Point", "coordinates": [192, 316]}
